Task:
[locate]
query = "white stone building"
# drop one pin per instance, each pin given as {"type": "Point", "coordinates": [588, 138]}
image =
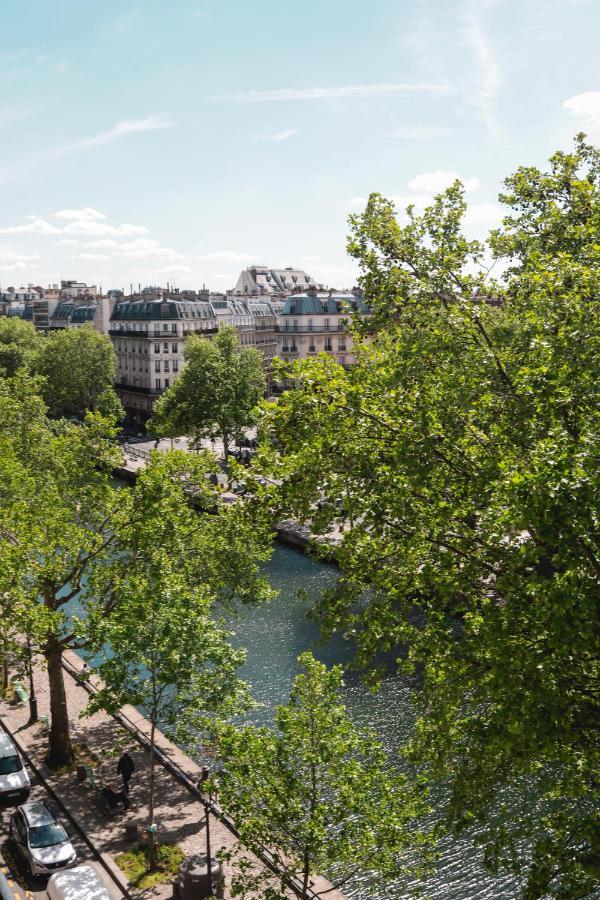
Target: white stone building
{"type": "Point", "coordinates": [317, 323]}
{"type": "Point", "coordinates": [149, 337]}
{"type": "Point", "coordinates": [262, 280]}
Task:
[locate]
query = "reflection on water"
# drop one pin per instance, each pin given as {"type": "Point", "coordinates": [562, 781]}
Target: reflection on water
{"type": "Point", "coordinates": [274, 636]}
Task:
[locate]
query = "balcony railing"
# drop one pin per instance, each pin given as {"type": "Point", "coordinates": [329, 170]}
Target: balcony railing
{"type": "Point", "coordinates": [310, 329]}
{"type": "Point", "coordinates": [128, 332]}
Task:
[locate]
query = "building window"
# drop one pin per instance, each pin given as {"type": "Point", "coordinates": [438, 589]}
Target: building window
{"type": "Point", "coordinates": [342, 344]}
{"type": "Point", "coordinates": [176, 365]}
{"type": "Point", "coordinates": [328, 347]}
{"type": "Point", "coordinates": [157, 383]}
{"type": "Point", "coordinates": [312, 348]}
{"type": "Point", "coordinates": [157, 365]}
{"type": "Point", "coordinates": [157, 347]}
{"type": "Point", "coordinates": [165, 347]}
{"type": "Point", "coordinates": [174, 348]}
{"type": "Point", "coordinates": [174, 328]}
{"type": "Point", "coordinates": [326, 324]}
{"type": "Point", "coordinates": [165, 326]}
{"type": "Point", "coordinates": [166, 365]}
{"type": "Point", "coordinates": [166, 382]}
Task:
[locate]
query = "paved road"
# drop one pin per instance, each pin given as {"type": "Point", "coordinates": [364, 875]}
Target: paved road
{"type": "Point", "coordinates": [24, 886]}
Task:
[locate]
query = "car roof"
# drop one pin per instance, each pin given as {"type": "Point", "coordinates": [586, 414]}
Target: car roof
{"type": "Point", "coordinates": [7, 748]}
{"type": "Point", "coordinates": [79, 882]}
{"type": "Point", "coordinates": [37, 813]}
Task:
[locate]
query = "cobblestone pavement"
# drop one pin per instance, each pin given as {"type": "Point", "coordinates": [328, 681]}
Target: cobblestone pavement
{"type": "Point", "coordinates": [101, 740]}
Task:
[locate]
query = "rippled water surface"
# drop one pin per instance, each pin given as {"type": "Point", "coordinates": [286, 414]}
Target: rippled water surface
{"type": "Point", "coordinates": [274, 636]}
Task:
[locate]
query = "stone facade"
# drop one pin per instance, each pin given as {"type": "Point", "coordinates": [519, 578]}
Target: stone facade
{"type": "Point", "coordinates": [149, 336]}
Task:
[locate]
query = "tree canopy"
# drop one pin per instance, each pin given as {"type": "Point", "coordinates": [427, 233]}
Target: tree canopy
{"type": "Point", "coordinates": [319, 793]}
{"type": "Point", "coordinates": [461, 456]}
{"type": "Point", "coordinates": [18, 343]}
{"type": "Point", "coordinates": [216, 393]}
{"type": "Point", "coordinates": [70, 535]}
{"type": "Point", "coordinates": [79, 366]}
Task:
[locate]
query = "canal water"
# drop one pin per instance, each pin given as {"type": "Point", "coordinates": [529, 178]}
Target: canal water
{"type": "Point", "coordinates": [274, 636]}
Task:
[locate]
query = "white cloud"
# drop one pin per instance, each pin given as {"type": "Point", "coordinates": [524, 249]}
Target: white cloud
{"type": "Point", "coordinates": [85, 226]}
{"type": "Point", "coordinates": [278, 136]}
{"type": "Point", "coordinates": [586, 106]}
{"type": "Point", "coordinates": [347, 92]}
{"type": "Point", "coordinates": [88, 213]}
{"type": "Point", "coordinates": [489, 78]}
{"type": "Point", "coordinates": [146, 249]}
{"type": "Point", "coordinates": [116, 133]}
{"type": "Point", "coordinates": [483, 214]}
{"type": "Point", "coordinates": [225, 256]}
{"type": "Point", "coordinates": [36, 226]}
{"type": "Point", "coordinates": [96, 256]}
{"type": "Point", "coordinates": [420, 133]}
{"type": "Point", "coordinates": [438, 181]}
{"type": "Point", "coordinates": [172, 270]}
{"type": "Point", "coordinates": [11, 261]}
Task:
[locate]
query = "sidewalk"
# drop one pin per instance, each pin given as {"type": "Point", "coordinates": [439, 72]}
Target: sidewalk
{"type": "Point", "coordinates": [179, 815]}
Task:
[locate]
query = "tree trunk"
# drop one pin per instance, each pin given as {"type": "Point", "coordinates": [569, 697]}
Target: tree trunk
{"type": "Point", "coordinates": [151, 833]}
{"type": "Point", "coordinates": [5, 673]}
{"type": "Point", "coordinates": [226, 452]}
{"type": "Point", "coordinates": [60, 751]}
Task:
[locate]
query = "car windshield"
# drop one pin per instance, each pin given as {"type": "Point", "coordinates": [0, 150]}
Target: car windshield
{"type": "Point", "coordinates": [10, 764]}
{"type": "Point", "coordinates": [47, 835]}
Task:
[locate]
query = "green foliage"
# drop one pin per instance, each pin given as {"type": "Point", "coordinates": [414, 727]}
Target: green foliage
{"type": "Point", "coordinates": [319, 793]}
{"type": "Point", "coordinates": [79, 366]}
{"type": "Point", "coordinates": [134, 863]}
{"type": "Point", "coordinates": [461, 456]}
{"type": "Point", "coordinates": [68, 533]}
{"type": "Point", "coordinates": [18, 343]}
{"type": "Point", "coordinates": [216, 393]}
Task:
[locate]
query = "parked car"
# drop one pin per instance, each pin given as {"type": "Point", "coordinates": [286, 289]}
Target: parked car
{"type": "Point", "coordinates": [40, 838]}
{"type": "Point", "coordinates": [6, 892]}
{"type": "Point", "coordinates": [14, 780]}
{"type": "Point", "coordinates": [78, 883]}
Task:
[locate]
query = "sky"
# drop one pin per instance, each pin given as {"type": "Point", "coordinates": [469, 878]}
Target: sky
{"type": "Point", "coordinates": [155, 141]}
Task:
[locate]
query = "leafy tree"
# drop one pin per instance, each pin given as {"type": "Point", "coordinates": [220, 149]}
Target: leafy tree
{"type": "Point", "coordinates": [68, 535]}
{"type": "Point", "coordinates": [216, 393]}
{"type": "Point", "coordinates": [167, 654]}
{"type": "Point", "coordinates": [319, 793]}
{"type": "Point", "coordinates": [79, 366]}
{"type": "Point", "coordinates": [461, 456]}
{"type": "Point", "coordinates": [18, 343]}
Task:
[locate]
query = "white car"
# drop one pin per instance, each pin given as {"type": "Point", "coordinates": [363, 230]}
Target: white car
{"type": "Point", "coordinates": [14, 780]}
{"type": "Point", "coordinates": [40, 838]}
{"type": "Point", "coordinates": [78, 883]}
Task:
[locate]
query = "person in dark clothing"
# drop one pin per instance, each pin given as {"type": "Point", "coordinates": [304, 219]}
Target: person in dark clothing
{"type": "Point", "coordinates": [126, 768]}
{"type": "Point", "coordinates": [115, 797]}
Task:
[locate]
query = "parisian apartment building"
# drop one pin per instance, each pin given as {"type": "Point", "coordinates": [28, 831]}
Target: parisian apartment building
{"type": "Point", "coordinates": [149, 333]}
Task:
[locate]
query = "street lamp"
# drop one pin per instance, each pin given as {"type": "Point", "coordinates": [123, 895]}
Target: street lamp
{"type": "Point", "coordinates": [209, 883]}
{"type": "Point", "coordinates": [33, 707]}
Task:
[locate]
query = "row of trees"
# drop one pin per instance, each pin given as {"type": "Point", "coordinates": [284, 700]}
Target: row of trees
{"type": "Point", "coordinates": [461, 456]}
{"type": "Point", "coordinates": [139, 581]}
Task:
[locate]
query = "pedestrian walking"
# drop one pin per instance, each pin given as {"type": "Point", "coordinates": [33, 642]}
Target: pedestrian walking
{"type": "Point", "coordinates": [126, 768]}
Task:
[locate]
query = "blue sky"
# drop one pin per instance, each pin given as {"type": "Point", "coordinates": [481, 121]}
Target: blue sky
{"type": "Point", "coordinates": [181, 140]}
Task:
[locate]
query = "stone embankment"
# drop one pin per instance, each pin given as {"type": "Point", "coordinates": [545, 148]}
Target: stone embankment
{"type": "Point", "coordinates": [292, 533]}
